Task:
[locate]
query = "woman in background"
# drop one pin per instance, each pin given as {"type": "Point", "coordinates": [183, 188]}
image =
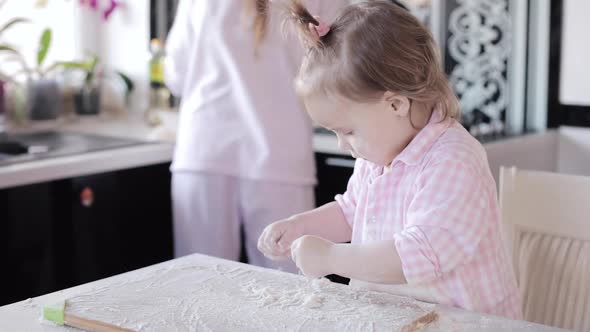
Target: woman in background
{"type": "Point", "coordinates": [243, 152]}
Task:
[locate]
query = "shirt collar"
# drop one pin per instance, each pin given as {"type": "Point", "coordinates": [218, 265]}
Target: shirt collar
{"type": "Point", "coordinates": [423, 141]}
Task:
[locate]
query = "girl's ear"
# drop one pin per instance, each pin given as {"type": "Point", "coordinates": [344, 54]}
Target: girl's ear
{"type": "Point", "coordinates": [399, 104]}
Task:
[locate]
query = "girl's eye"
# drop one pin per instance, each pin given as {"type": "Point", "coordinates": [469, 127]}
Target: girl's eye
{"type": "Point", "coordinates": [348, 133]}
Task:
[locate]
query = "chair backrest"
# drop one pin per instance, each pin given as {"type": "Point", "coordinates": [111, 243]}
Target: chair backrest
{"type": "Point", "coordinates": [546, 218]}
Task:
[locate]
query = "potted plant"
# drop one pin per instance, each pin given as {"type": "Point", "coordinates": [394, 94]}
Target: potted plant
{"type": "Point", "coordinates": [43, 92]}
{"type": "Point", "coordinates": [37, 94]}
{"type": "Point", "coordinates": [43, 99]}
{"type": "Point", "coordinates": [87, 98]}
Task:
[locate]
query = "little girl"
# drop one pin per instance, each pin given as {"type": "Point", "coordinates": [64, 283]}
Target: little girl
{"type": "Point", "coordinates": [420, 209]}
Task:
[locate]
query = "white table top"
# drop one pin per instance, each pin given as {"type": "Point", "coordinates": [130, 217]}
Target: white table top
{"type": "Point", "coordinates": [208, 294]}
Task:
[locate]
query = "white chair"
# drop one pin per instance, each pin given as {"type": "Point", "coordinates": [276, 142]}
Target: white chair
{"type": "Point", "coordinates": [546, 219]}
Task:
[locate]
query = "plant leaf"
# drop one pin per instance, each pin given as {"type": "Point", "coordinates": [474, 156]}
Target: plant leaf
{"type": "Point", "coordinates": [66, 65]}
{"type": "Point", "coordinates": [73, 65]}
{"type": "Point", "coordinates": [17, 56]}
{"type": "Point", "coordinates": [44, 44]}
{"type": "Point", "coordinates": [8, 48]}
{"type": "Point", "coordinates": [91, 69]}
{"type": "Point", "coordinates": [12, 22]}
{"type": "Point", "coordinates": [128, 82]}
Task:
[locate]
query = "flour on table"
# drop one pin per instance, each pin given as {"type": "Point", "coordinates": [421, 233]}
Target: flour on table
{"type": "Point", "coordinates": [205, 295]}
{"type": "Point", "coordinates": [313, 301]}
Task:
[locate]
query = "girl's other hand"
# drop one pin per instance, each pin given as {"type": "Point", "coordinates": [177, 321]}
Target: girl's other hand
{"type": "Point", "coordinates": [312, 254]}
{"type": "Point", "coordinates": [275, 241]}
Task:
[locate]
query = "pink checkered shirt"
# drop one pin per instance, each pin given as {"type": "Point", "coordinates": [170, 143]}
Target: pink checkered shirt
{"type": "Point", "coordinates": [438, 203]}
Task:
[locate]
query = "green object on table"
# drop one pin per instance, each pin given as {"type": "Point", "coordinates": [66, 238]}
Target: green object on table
{"type": "Point", "coordinates": [55, 312]}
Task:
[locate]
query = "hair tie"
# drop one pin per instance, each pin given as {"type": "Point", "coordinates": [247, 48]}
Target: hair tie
{"type": "Point", "coordinates": [321, 29]}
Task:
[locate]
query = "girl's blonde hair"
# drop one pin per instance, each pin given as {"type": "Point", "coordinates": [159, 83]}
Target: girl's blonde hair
{"type": "Point", "coordinates": [372, 47]}
{"type": "Point", "coordinates": [260, 8]}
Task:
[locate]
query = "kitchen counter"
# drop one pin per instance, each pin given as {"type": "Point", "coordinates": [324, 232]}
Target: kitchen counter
{"type": "Point", "coordinates": [159, 150]}
{"type": "Point", "coordinates": [203, 293]}
{"type": "Point", "coordinates": [522, 151]}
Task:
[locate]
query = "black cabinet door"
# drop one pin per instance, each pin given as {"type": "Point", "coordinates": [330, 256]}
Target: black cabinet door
{"type": "Point", "coordinates": [146, 212]}
{"type": "Point", "coordinates": [63, 233]}
{"type": "Point", "coordinates": [26, 240]}
{"type": "Point", "coordinates": [333, 172]}
{"type": "Point", "coordinates": [96, 227]}
{"type": "Point", "coordinates": [121, 221]}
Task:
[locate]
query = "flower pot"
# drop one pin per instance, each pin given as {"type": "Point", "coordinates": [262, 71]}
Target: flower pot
{"type": "Point", "coordinates": [17, 108]}
{"type": "Point", "coordinates": [44, 99]}
{"type": "Point", "coordinates": [87, 101]}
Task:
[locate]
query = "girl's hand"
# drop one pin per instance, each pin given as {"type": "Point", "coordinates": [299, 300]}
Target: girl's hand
{"type": "Point", "coordinates": [312, 255]}
{"type": "Point", "coordinates": [275, 241]}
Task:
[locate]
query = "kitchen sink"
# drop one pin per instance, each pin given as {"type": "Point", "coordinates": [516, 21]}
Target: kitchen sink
{"type": "Point", "coordinates": [24, 147]}
{"type": "Point", "coordinates": [12, 148]}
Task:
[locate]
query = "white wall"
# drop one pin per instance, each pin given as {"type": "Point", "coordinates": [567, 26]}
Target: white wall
{"type": "Point", "coordinates": [534, 152]}
{"type": "Point", "coordinates": [122, 43]}
{"type": "Point", "coordinates": [58, 15]}
{"type": "Point", "coordinates": [575, 52]}
{"type": "Point", "coordinates": [566, 150]}
{"type": "Point", "coordinates": [574, 151]}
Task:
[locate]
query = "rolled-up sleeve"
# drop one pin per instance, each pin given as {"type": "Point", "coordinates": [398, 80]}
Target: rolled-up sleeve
{"type": "Point", "coordinates": [445, 221]}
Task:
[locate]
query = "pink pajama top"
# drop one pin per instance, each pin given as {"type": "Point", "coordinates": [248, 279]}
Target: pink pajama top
{"type": "Point", "coordinates": [438, 203]}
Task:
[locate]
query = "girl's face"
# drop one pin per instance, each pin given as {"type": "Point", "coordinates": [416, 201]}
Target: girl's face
{"type": "Point", "coordinates": [376, 131]}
